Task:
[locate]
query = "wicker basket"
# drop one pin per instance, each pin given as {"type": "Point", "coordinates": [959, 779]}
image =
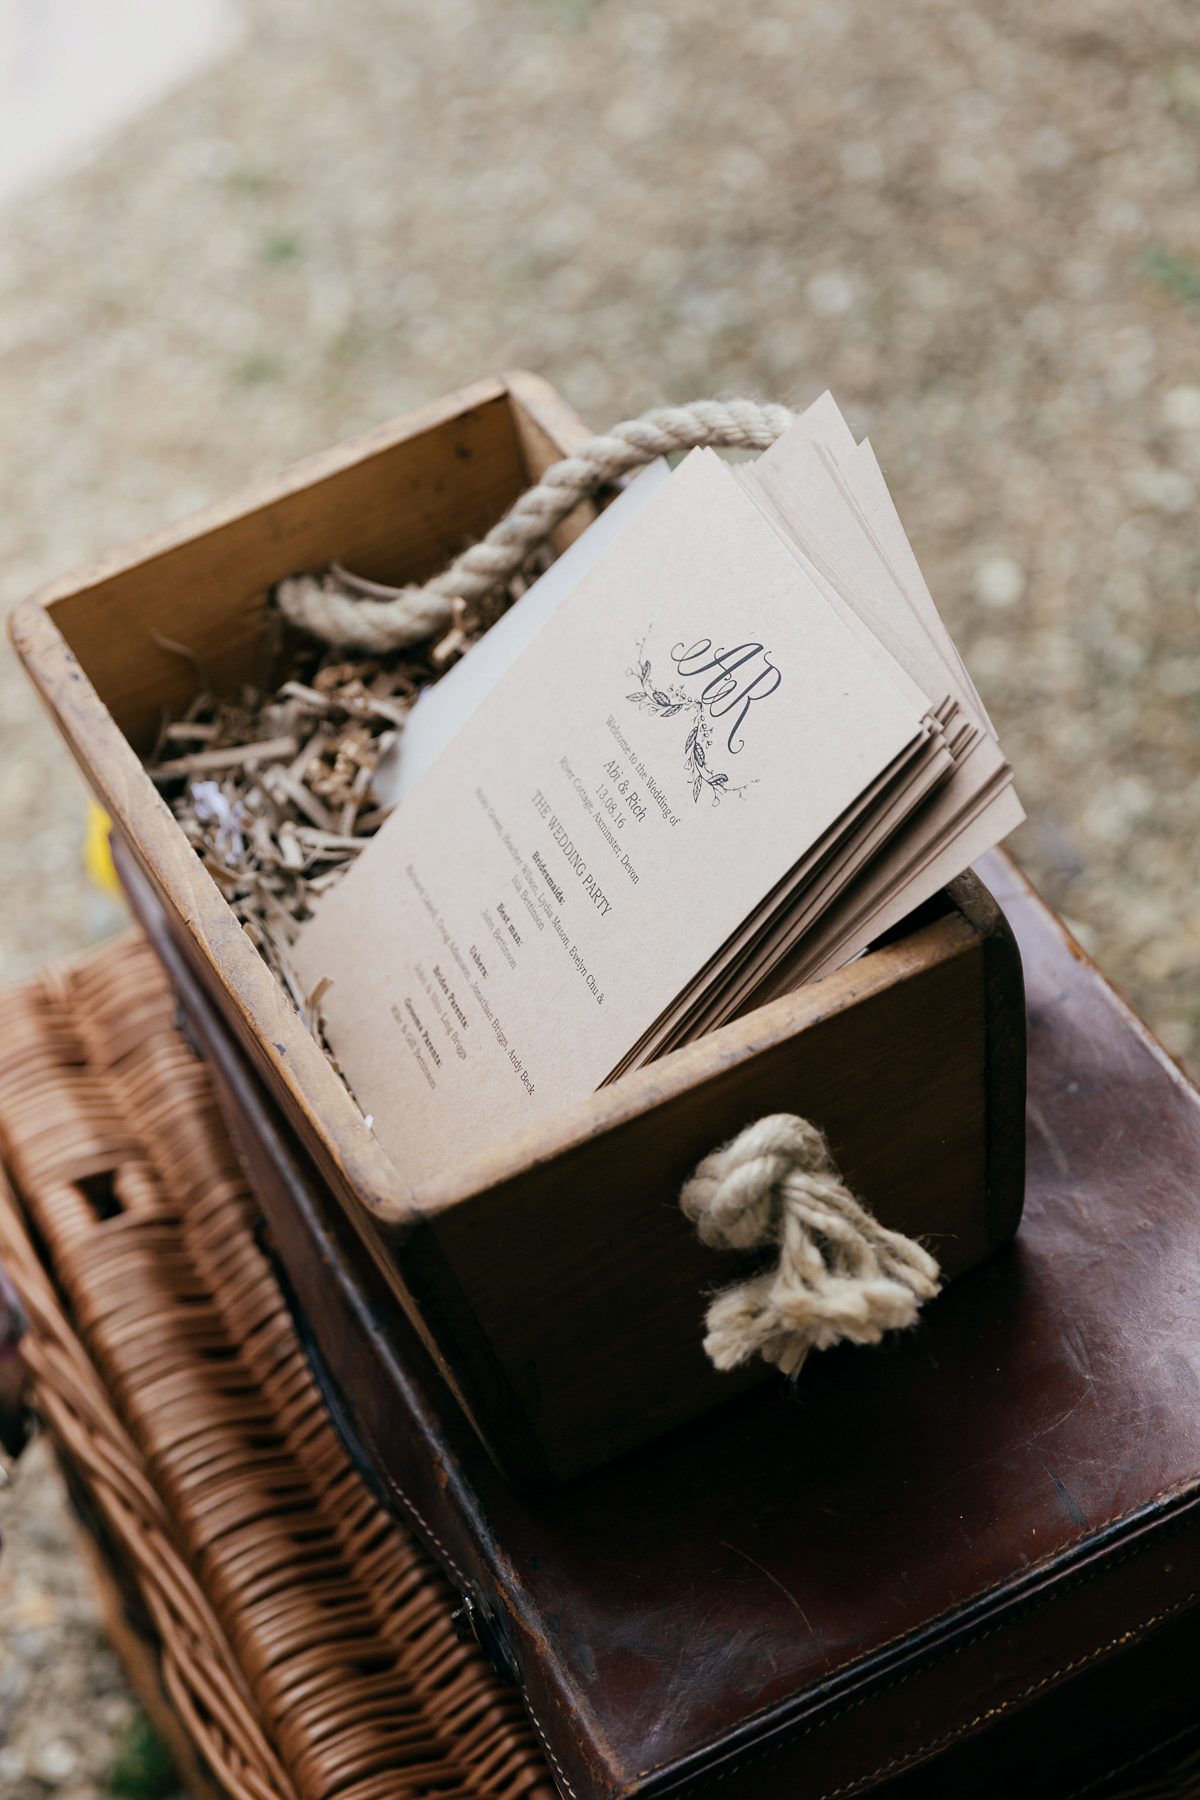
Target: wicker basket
{"type": "Point", "coordinates": [304, 1639]}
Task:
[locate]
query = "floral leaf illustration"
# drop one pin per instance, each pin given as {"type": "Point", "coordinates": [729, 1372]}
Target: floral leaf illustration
{"type": "Point", "coordinates": [695, 753]}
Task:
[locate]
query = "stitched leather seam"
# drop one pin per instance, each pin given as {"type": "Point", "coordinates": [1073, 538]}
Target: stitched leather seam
{"type": "Point", "coordinates": [534, 1720]}
{"type": "Point", "coordinates": [545, 1741]}
{"type": "Point", "coordinates": [1021, 1611]}
{"type": "Point", "coordinates": [425, 1525]}
{"type": "Point", "coordinates": [995, 1712]}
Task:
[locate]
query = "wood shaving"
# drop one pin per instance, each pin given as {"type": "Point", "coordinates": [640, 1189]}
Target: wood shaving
{"type": "Point", "coordinates": [275, 797]}
{"type": "Point", "coordinates": [273, 791]}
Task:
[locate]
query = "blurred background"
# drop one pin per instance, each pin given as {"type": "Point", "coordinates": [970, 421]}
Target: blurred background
{"type": "Point", "coordinates": [233, 233]}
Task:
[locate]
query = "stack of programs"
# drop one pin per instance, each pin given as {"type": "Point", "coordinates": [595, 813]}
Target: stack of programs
{"type": "Point", "coordinates": [720, 747]}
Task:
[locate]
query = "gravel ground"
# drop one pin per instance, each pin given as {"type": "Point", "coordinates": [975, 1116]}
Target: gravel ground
{"type": "Point", "coordinates": [66, 1712]}
{"type": "Point", "coordinates": [978, 227]}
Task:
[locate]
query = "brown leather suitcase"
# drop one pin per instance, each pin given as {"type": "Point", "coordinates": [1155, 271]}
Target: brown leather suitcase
{"type": "Point", "coordinates": [968, 1562]}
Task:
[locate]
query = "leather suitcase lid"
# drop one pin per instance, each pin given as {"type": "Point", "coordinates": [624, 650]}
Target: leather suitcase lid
{"type": "Point", "coordinates": [797, 1553]}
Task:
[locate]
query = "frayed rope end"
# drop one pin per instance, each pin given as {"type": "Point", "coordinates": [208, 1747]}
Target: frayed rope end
{"type": "Point", "coordinates": [841, 1275]}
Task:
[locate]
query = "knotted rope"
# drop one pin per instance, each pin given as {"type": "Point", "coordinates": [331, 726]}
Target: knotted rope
{"type": "Point", "coordinates": [840, 1273]}
{"type": "Point", "coordinates": [343, 609]}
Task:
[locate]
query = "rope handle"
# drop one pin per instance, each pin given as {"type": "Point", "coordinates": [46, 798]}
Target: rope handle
{"type": "Point", "coordinates": [347, 611]}
{"type": "Point", "coordinates": [840, 1274]}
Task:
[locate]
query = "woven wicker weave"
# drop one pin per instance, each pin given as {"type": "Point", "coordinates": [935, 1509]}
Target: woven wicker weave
{"type": "Point", "coordinates": [306, 1638]}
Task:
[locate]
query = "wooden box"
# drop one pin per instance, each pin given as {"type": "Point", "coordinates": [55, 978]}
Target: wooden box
{"type": "Point", "coordinates": [554, 1279]}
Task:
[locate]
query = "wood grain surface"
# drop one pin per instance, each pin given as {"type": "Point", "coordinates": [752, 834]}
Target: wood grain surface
{"type": "Point", "coordinates": [553, 1278]}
